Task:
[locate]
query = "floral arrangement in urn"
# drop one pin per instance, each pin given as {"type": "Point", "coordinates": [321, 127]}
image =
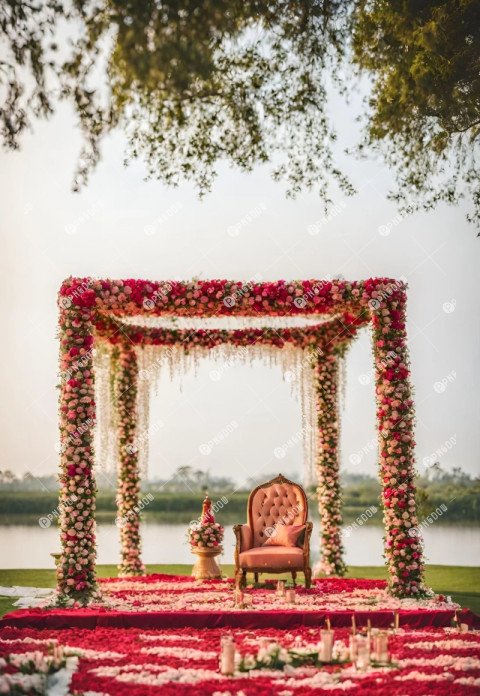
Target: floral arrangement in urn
{"type": "Point", "coordinates": [205, 533]}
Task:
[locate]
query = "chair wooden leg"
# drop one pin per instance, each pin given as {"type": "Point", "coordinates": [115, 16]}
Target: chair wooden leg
{"type": "Point", "coordinates": [308, 577]}
{"type": "Point", "coordinates": [255, 575]}
{"type": "Point", "coordinates": [238, 575]}
{"type": "Point", "coordinates": [240, 578]}
{"type": "Point", "coordinates": [294, 576]}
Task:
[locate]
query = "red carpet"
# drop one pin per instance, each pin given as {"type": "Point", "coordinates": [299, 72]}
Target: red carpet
{"type": "Point", "coordinates": [173, 602]}
{"type": "Point", "coordinates": [130, 662]}
{"type": "Point", "coordinates": [93, 618]}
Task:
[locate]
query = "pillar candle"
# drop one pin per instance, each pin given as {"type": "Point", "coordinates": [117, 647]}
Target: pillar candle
{"type": "Point", "coordinates": [227, 656]}
{"type": "Point", "coordinates": [326, 648]}
{"type": "Point", "coordinates": [397, 620]}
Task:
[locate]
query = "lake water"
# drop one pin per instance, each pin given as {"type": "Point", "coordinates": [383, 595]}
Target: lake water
{"type": "Point", "coordinates": [29, 546]}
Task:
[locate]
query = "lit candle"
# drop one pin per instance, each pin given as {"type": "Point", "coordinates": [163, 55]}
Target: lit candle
{"type": "Point", "coordinates": [352, 646]}
{"type": "Point", "coordinates": [281, 588]}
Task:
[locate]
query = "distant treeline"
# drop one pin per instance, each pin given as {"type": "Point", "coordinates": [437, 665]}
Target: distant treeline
{"type": "Point", "coordinates": [461, 497]}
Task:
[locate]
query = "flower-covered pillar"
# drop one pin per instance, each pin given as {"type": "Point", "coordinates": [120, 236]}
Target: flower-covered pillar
{"type": "Point", "coordinates": [76, 579]}
{"type": "Point", "coordinates": [395, 417]}
{"type": "Point", "coordinates": [326, 368]}
{"type": "Point", "coordinates": [128, 491]}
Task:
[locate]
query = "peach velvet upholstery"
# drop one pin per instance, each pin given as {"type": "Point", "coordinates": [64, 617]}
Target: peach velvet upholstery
{"type": "Point", "coordinates": [282, 503]}
{"type": "Point", "coordinates": [285, 535]}
{"type": "Point", "coordinates": [273, 557]}
{"type": "Point", "coordinates": [245, 537]}
{"type": "Point", "coordinates": [274, 504]}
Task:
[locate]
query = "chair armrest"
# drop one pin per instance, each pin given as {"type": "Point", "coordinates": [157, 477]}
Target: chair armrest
{"type": "Point", "coordinates": [306, 542]}
{"type": "Point", "coordinates": [243, 535]}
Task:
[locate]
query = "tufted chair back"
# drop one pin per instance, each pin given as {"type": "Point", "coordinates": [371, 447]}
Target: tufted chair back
{"type": "Point", "coordinates": [277, 501]}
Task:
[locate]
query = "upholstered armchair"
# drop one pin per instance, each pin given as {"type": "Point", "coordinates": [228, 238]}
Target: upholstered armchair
{"type": "Point", "coordinates": [276, 538]}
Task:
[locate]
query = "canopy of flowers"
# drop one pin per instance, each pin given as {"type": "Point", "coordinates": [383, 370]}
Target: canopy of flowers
{"type": "Point", "coordinates": [91, 313]}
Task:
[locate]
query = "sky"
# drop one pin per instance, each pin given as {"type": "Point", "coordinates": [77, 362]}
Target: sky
{"type": "Point", "coordinates": [122, 226]}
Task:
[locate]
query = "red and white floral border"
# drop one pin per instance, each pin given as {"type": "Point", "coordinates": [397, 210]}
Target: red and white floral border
{"type": "Point", "coordinates": [136, 662]}
{"type": "Point", "coordinates": [85, 303]}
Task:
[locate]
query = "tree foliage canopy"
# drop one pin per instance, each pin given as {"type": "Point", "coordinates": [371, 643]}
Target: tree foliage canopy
{"type": "Point", "coordinates": [424, 110]}
{"type": "Point", "coordinates": [246, 82]}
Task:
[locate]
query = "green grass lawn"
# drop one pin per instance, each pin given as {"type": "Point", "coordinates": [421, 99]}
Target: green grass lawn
{"type": "Point", "coordinates": [462, 583]}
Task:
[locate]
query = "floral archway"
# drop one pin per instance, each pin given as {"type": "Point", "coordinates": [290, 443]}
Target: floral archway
{"type": "Point", "coordinates": [119, 320]}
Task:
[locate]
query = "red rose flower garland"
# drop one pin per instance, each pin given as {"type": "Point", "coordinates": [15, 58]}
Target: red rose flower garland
{"type": "Point", "coordinates": [395, 414]}
{"type": "Point", "coordinates": [87, 304]}
{"type": "Point", "coordinates": [329, 490]}
{"type": "Point", "coordinates": [128, 492]}
{"type": "Point", "coordinates": [76, 570]}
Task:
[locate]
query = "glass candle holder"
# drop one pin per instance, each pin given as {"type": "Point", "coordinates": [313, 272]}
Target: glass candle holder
{"type": "Point", "coordinates": [227, 655]}
{"type": "Point", "coordinates": [362, 659]}
{"type": "Point", "coordinates": [380, 647]}
{"type": "Point", "coordinates": [352, 647]}
{"type": "Point", "coordinates": [326, 646]}
{"type": "Point", "coordinates": [281, 588]}
{"type": "Point", "coordinates": [290, 595]}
